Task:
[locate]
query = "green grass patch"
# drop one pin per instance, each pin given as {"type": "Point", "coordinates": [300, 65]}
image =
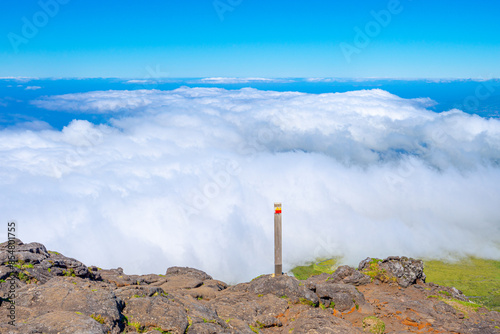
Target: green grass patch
{"type": "Point", "coordinates": [479, 279]}
{"type": "Point", "coordinates": [23, 277]}
{"type": "Point", "coordinates": [254, 329]}
{"type": "Point", "coordinates": [163, 294]}
{"type": "Point", "coordinates": [306, 302]}
{"type": "Point", "coordinates": [99, 318]}
{"type": "Point", "coordinates": [374, 325]}
{"type": "Point", "coordinates": [211, 321]}
{"type": "Point", "coordinates": [69, 273]}
{"type": "Point", "coordinates": [138, 327]}
{"type": "Point", "coordinates": [318, 267]}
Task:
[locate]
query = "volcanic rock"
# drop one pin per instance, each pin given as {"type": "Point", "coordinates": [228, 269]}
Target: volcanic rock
{"type": "Point", "coordinates": [57, 294]}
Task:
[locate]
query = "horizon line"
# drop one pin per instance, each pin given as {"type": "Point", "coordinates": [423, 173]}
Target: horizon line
{"type": "Point", "coordinates": [213, 78]}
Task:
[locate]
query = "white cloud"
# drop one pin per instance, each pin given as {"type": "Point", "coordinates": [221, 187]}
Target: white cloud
{"type": "Point", "coordinates": [100, 102]}
{"type": "Point", "coordinates": [19, 79]}
{"type": "Point", "coordinates": [224, 80]}
{"type": "Point", "coordinates": [30, 125]}
{"type": "Point", "coordinates": [188, 177]}
{"type": "Point", "coordinates": [33, 88]}
{"type": "Point", "coordinates": [141, 81]}
{"type": "Point", "coordinates": [6, 100]}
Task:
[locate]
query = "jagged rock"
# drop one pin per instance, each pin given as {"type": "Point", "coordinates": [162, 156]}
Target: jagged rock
{"type": "Point", "coordinates": [116, 277]}
{"type": "Point", "coordinates": [179, 282]}
{"type": "Point", "coordinates": [310, 283]}
{"type": "Point", "coordinates": [56, 294]}
{"type": "Point", "coordinates": [208, 290]}
{"type": "Point", "coordinates": [237, 326]}
{"type": "Point", "coordinates": [215, 284]}
{"type": "Point", "coordinates": [156, 312]}
{"type": "Point", "coordinates": [120, 279]}
{"type": "Point", "coordinates": [72, 295]}
{"type": "Point", "coordinates": [405, 271]}
{"type": "Point", "coordinates": [443, 308]}
{"type": "Point", "coordinates": [27, 253]}
{"type": "Point", "coordinates": [282, 286]}
{"type": "Point", "coordinates": [63, 322]}
{"type": "Point", "coordinates": [35, 264]}
{"type": "Point", "coordinates": [207, 328]}
{"type": "Point", "coordinates": [12, 283]}
{"type": "Point", "coordinates": [246, 307]}
{"type": "Point", "coordinates": [4, 272]}
{"type": "Point", "coordinates": [343, 274]}
{"type": "Point", "coordinates": [198, 311]}
{"type": "Point", "coordinates": [344, 296]}
{"type": "Point", "coordinates": [176, 271]}
{"type": "Point", "coordinates": [349, 275]}
{"type": "Point", "coordinates": [131, 291]}
{"type": "Point", "coordinates": [315, 321]}
{"type": "Point", "coordinates": [267, 320]}
{"type": "Point", "coordinates": [147, 279]}
{"type": "Point", "coordinates": [202, 292]}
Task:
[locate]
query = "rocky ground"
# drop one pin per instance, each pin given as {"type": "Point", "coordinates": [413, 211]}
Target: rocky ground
{"type": "Point", "coordinates": [57, 294]}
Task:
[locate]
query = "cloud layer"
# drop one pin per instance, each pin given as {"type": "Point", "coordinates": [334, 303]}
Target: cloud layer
{"type": "Point", "coordinates": [189, 177]}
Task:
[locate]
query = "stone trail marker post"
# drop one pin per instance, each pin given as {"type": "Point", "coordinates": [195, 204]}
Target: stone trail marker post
{"type": "Point", "coordinates": [278, 262]}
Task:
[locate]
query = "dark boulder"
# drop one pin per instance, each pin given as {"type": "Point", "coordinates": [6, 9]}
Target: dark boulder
{"type": "Point", "coordinates": [405, 271]}
{"type": "Point", "coordinates": [320, 322]}
{"type": "Point", "coordinates": [156, 312]}
{"type": "Point", "coordinates": [176, 271]}
{"type": "Point", "coordinates": [344, 296]}
{"type": "Point", "coordinates": [134, 291]}
{"type": "Point", "coordinates": [88, 298]}
{"type": "Point", "coordinates": [63, 322]}
{"type": "Point", "coordinates": [349, 275]}
{"type": "Point", "coordinates": [33, 263]}
{"type": "Point", "coordinates": [282, 286]}
{"type": "Point", "coordinates": [250, 308]}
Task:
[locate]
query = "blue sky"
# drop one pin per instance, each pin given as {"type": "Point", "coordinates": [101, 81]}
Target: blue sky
{"type": "Point", "coordinates": [249, 38]}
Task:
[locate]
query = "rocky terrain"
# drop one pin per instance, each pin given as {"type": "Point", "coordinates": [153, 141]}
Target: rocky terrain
{"type": "Point", "coordinates": [57, 294]}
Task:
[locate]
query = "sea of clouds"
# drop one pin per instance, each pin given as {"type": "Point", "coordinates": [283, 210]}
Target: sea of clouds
{"type": "Point", "coordinates": [188, 177]}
